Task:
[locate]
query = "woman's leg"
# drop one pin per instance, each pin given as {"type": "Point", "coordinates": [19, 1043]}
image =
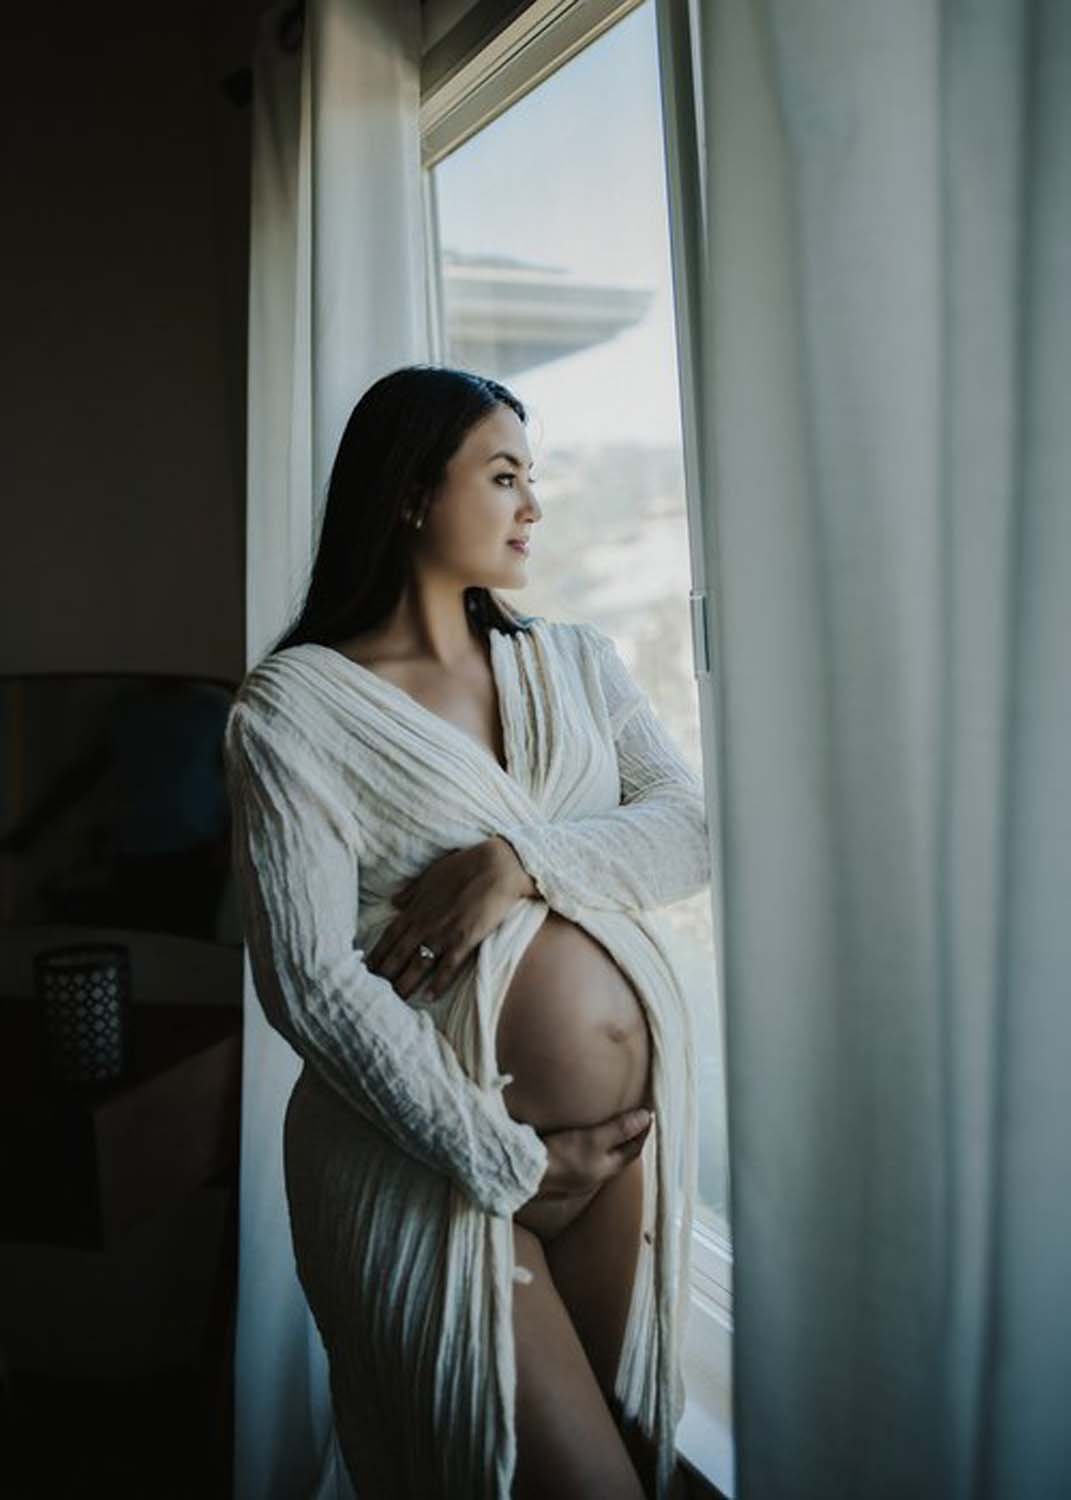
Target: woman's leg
{"type": "Point", "coordinates": [593, 1263]}
{"type": "Point", "coordinates": [567, 1443]}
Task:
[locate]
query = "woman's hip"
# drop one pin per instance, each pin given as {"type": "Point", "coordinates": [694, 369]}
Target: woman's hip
{"type": "Point", "coordinates": [352, 1193]}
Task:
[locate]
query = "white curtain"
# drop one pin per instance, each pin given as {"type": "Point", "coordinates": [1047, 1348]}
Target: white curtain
{"type": "Point", "coordinates": [874, 226]}
{"type": "Point", "coordinates": [336, 300]}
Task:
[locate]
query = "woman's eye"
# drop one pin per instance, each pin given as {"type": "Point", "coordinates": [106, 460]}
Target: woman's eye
{"type": "Point", "coordinates": [531, 477]}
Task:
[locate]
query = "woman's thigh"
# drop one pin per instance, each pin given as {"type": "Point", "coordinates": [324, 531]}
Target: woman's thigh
{"type": "Point", "coordinates": [568, 1444]}
{"type": "Point", "coordinates": [593, 1262]}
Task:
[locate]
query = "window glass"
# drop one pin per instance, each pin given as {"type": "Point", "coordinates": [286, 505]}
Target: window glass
{"type": "Point", "coordinates": [556, 280]}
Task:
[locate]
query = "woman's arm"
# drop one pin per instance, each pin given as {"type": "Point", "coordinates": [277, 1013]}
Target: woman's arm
{"type": "Point", "coordinates": [297, 870]}
{"type": "Point", "coordinates": [651, 850]}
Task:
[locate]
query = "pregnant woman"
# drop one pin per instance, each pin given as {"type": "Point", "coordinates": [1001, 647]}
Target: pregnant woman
{"type": "Point", "coordinates": [452, 828]}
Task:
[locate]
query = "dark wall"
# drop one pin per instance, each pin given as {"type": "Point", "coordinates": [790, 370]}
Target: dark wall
{"type": "Point", "coordinates": [125, 247]}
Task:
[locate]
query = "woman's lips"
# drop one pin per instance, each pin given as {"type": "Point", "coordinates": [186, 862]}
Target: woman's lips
{"type": "Point", "coordinates": [519, 547]}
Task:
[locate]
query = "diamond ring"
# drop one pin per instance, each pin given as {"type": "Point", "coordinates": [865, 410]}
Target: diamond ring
{"type": "Point", "coordinates": [426, 952]}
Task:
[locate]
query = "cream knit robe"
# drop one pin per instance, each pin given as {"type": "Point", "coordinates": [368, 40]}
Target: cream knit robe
{"type": "Point", "coordinates": [403, 1166]}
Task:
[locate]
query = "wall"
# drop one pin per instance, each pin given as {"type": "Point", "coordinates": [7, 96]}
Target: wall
{"type": "Point", "coordinates": [123, 383]}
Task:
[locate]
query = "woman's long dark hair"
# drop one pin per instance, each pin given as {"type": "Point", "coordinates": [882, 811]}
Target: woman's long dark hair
{"type": "Point", "coordinates": [397, 443]}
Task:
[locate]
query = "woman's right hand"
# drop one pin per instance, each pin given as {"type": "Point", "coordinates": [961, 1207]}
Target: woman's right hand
{"type": "Point", "coordinates": [583, 1157]}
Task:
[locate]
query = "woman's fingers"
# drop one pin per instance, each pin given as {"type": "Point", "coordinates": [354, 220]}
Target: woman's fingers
{"type": "Point", "coordinates": [393, 930]}
{"type": "Point", "coordinates": [416, 972]}
{"type": "Point", "coordinates": [395, 947]}
{"type": "Point", "coordinates": [585, 1156]}
{"type": "Point", "coordinates": [383, 945]}
{"type": "Point", "coordinates": [407, 969]}
{"type": "Point", "coordinates": [627, 1133]}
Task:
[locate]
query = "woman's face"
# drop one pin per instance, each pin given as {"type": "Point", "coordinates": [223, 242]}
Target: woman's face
{"type": "Point", "coordinates": [484, 502]}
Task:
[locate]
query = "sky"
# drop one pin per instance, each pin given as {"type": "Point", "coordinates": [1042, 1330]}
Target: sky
{"type": "Point", "coordinates": [573, 176]}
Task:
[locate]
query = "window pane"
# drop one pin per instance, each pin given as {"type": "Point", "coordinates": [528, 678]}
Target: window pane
{"type": "Point", "coordinates": [556, 280]}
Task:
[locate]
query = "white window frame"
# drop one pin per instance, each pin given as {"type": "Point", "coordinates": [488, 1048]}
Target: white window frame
{"type": "Point", "coordinates": [484, 56]}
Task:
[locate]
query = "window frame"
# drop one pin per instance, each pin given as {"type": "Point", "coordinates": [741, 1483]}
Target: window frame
{"type": "Point", "coordinates": [475, 67]}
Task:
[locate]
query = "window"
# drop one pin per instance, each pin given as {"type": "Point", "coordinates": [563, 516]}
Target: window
{"type": "Point", "coordinates": [546, 191]}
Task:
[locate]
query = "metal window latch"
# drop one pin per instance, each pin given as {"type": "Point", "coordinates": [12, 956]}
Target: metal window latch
{"type": "Point", "coordinates": [697, 599]}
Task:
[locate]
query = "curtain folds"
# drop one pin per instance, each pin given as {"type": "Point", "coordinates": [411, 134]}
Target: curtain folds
{"type": "Point", "coordinates": [336, 299]}
{"type": "Point", "coordinates": [880, 309]}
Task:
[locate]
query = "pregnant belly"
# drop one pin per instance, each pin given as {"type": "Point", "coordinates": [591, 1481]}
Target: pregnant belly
{"type": "Point", "coordinates": [573, 1033]}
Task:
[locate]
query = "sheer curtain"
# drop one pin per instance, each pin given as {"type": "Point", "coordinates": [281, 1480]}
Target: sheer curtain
{"type": "Point", "coordinates": [336, 299]}
{"type": "Point", "coordinates": [872, 223]}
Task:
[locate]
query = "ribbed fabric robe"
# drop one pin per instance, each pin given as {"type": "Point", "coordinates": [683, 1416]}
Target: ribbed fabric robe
{"type": "Point", "coordinates": [403, 1165]}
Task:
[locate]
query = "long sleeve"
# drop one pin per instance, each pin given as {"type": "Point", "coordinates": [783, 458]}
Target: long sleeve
{"type": "Point", "coordinates": [653, 848]}
{"type": "Point", "coordinates": [296, 861]}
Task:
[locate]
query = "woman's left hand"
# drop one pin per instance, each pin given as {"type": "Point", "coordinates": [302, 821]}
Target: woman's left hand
{"type": "Point", "coordinates": [451, 906]}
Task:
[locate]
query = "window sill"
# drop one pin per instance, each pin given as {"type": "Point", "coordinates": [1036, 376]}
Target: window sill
{"type": "Point", "coordinates": [705, 1435]}
{"type": "Point", "coordinates": [705, 1443]}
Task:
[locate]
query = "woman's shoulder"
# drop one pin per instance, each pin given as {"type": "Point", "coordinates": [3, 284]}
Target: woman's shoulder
{"type": "Point", "coordinates": [275, 704]}
{"type": "Point", "coordinates": [277, 668]}
{"type": "Point", "coordinates": [282, 690]}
